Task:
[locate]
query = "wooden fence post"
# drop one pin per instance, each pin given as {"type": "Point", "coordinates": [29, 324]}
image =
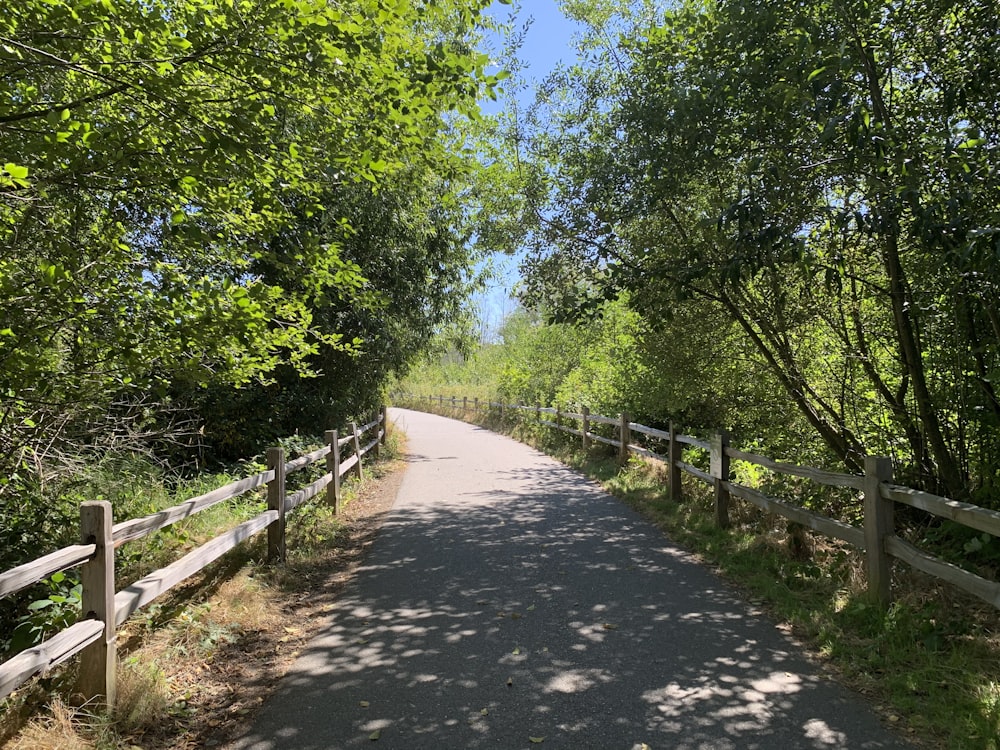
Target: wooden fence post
{"type": "Point", "coordinates": [377, 448]}
{"type": "Point", "coordinates": [586, 427]}
{"type": "Point", "coordinates": [465, 403]}
{"type": "Point", "coordinates": [475, 404]}
{"type": "Point", "coordinates": [276, 501]}
{"type": "Point", "coordinates": [538, 412]}
{"type": "Point", "coordinates": [333, 466]}
{"type": "Point", "coordinates": [558, 419]}
{"type": "Point", "coordinates": [358, 471]}
{"type": "Point", "coordinates": [98, 661]}
{"type": "Point", "coordinates": [674, 453]}
{"type": "Point", "coordinates": [385, 424]}
{"type": "Point", "coordinates": [720, 473]}
{"type": "Point", "coordinates": [879, 524]}
{"type": "Point", "coordinates": [625, 435]}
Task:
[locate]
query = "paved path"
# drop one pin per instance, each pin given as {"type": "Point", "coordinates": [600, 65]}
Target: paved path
{"type": "Point", "coordinates": [507, 598]}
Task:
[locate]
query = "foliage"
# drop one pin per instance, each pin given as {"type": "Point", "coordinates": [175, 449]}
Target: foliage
{"type": "Point", "coordinates": [822, 178]}
{"type": "Point", "coordinates": [165, 159]}
{"type": "Point", "coordinates": [50, 614]}
{"type": "Point", "coordinates": [403, 242]}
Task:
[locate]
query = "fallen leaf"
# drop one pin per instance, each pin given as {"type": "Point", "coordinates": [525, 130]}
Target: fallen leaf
{"type": "Point", "coordinates": [375, 735]}
{"type": "Point", "coordinates": [609, 626]}
{"type": "Point", "coordinates": [510, 681]}
{"type": "Point", "coordinates": [531, 608]}
{"type": "Point", "coordinates": [515, 615]}
{"type": "Point", "coordinates": [516, 651]}
{"type": "Point", "coordinates": [485, 712]}
{"type": "Point", "coordinates": [364, 704]}
{"type": "Point", "coordinates": [292, 630]}
{"type": "Point", "coordinates": [536, 740]}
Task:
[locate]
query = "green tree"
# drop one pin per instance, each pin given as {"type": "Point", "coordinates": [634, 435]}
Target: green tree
{"type": "Point", "coordinates": [824, 175]}
{"type": "Point", "coordinates": [176, 196]}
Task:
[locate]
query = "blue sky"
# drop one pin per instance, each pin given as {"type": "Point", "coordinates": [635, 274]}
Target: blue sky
{"type": "Point", "coordinates": [548, 40]}
{"type": "Point", "coordinates": [547, 43]}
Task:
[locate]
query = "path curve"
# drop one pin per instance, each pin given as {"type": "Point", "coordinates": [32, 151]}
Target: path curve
{"type": "Point", "coordinates": [508, 598]}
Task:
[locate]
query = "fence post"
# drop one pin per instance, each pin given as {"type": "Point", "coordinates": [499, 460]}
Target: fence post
{"type": "Point", "coordinates": [98, 661]}
{"type": "Point", "coordinates": [465, 403]}
{"type": "Point", "coordinates": [879, 524]}
{"type": "Point", "coordinates": [333, 466]}
{"type": "Point", "coordinates": [538, 412]}
{"type": "Point", "coordinates": [276, 501]}
{"type": "Point", "coordinates": [720, 474]}
{"type": "Point", "coordinates": [675, 470]}
{"type": "Point", "coordinates": [501, 410]}
{"type": "Point", "coordinates": [586, 427]}
{"type": "Point", "coordinates": [475, 404]}
{"type": "Point", "coordinates": [377, 448]}
{"type": "Point", "coordinates": [625, 436]}
{"type": "Point", "coordinates": [357, 450]}
{"type": "Point", "coordinates": [558, 419]}
{"type": "Point", "coordinates": [385, 424]}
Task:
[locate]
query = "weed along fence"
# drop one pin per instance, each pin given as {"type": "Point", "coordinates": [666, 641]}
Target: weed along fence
{"type": "Point", "coordinates": [104, 609]}
{"type": "Point", "coordinates": [876, 537]}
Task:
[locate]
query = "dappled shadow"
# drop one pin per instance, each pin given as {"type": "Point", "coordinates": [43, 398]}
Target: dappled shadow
{"type": "Point", "coordinates": [515, 600]}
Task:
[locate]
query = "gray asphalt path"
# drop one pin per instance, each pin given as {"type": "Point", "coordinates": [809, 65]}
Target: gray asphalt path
{"type": "Point", "coordinates": [507, 598]}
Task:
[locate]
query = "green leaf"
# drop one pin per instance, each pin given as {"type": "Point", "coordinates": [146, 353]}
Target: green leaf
{"type": "Point", "coordinates": [15, 170]}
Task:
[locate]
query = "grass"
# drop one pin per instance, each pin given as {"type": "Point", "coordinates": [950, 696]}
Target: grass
{"type": "Point", "coordinates": [930, 663]}
{"type": "Point", "coordinates": [231, 625]}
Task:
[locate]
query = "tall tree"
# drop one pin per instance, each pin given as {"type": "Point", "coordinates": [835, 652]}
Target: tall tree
{"type": "Point", "coordinates": [157, 150]}
{"type": "Point", "coordinates": [825, 173]}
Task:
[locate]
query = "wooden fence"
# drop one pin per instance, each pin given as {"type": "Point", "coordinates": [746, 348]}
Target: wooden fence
{"type": "Point", "coordinates": [104, 609]}
{"type": "Point", "coordinates": [876, 537]}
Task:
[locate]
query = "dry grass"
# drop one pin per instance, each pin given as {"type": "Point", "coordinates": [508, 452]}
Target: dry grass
{"type": "Point", "coordinates": [59, 730]}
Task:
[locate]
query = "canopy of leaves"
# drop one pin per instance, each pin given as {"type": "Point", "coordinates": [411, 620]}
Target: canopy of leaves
{"type": "Point", "coordinates": [203, 196]}
{"type": "Point", "coordinates": [825, 176]}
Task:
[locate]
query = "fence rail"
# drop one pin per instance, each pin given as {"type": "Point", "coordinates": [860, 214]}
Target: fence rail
{"type": "Point", "coordinates": [876, 537]}
{"type": "Point", "coordinates": [104, 610]}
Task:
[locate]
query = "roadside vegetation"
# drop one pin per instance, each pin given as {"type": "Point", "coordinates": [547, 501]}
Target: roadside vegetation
{"type": "Point", "coordinates": [928, 664]}
{"type": "Point", "coordinates": [196, 666]}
